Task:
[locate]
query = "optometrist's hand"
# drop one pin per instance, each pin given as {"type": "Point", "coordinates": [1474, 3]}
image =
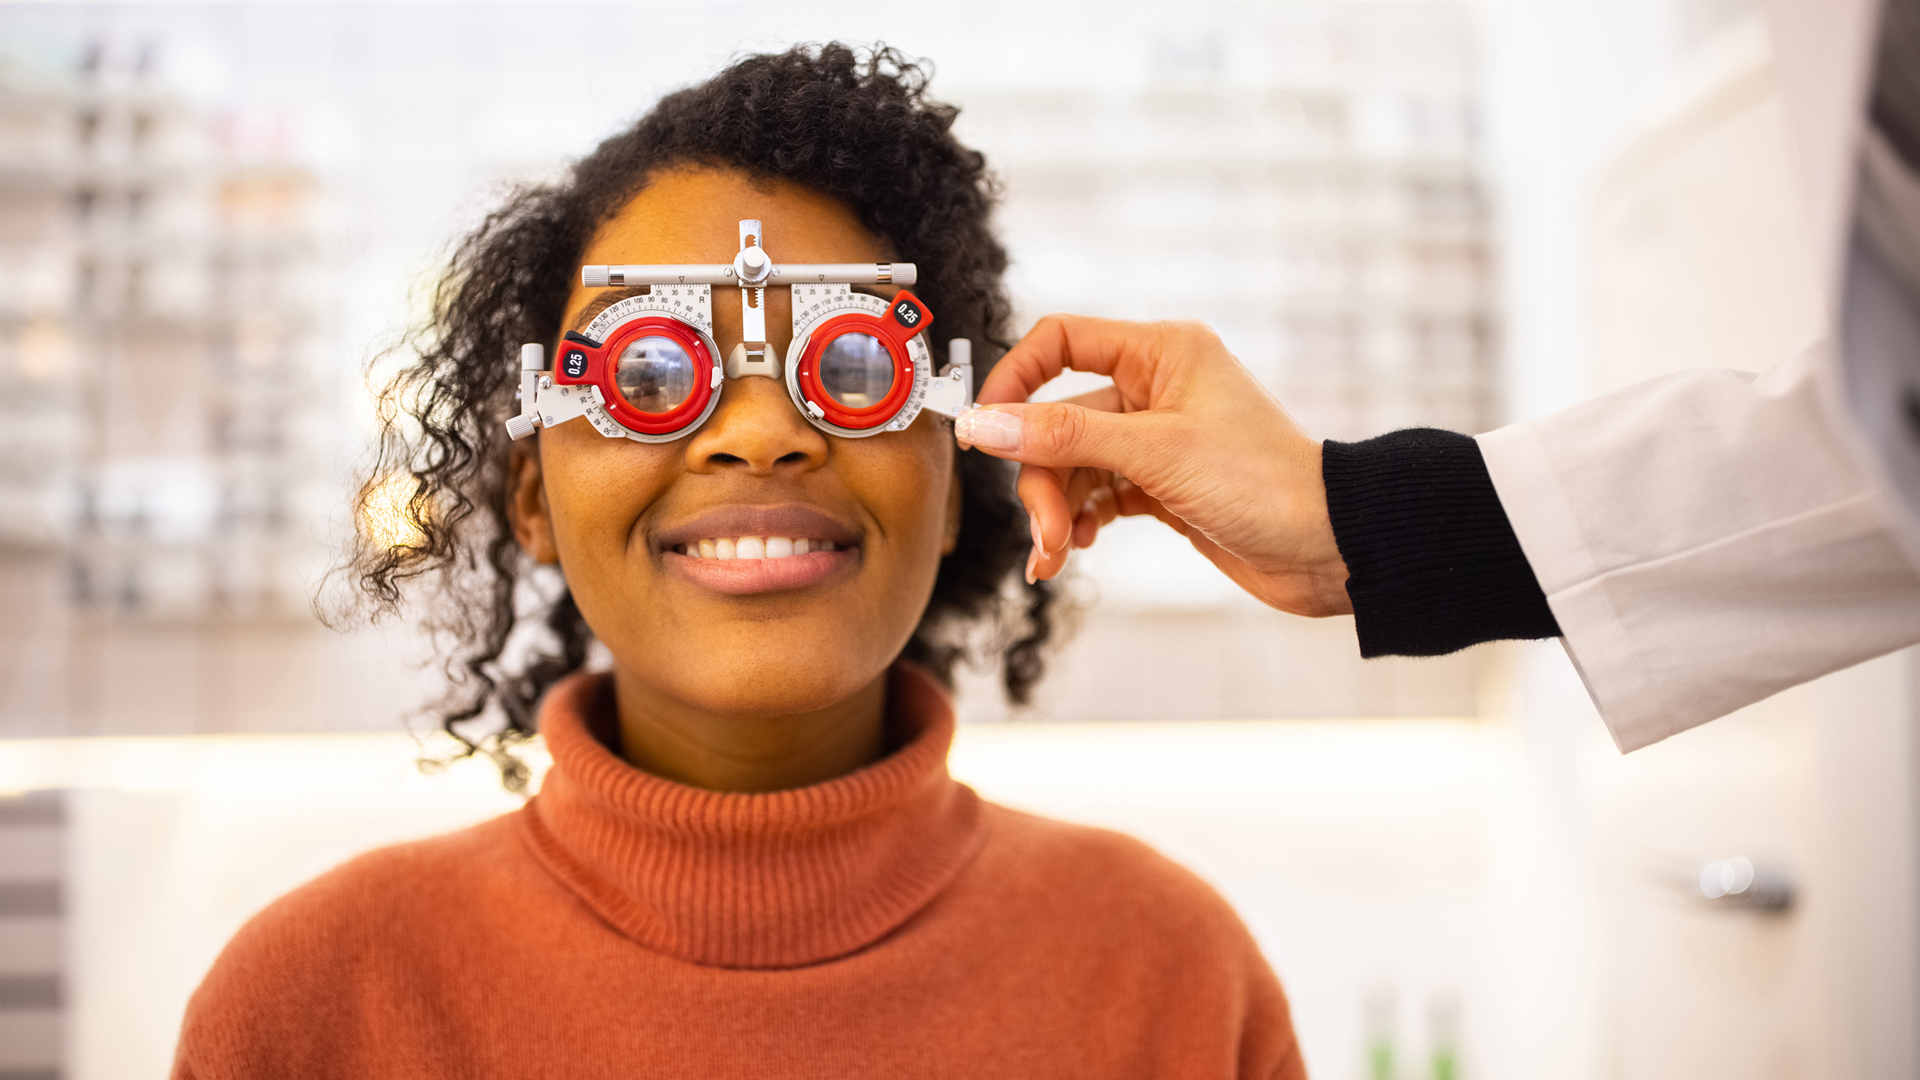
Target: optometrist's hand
{"type": "Point", "coordinates": [1185, 434]}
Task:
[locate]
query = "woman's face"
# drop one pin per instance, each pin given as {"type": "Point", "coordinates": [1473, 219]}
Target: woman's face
{"type": "Point", "coordinates": [748, 636]}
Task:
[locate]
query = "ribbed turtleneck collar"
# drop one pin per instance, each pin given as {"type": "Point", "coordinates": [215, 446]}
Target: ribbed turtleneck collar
{"type": "Point", "coordinates": [782, 879]}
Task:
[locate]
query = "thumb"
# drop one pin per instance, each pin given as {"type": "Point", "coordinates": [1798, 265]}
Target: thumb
{"type": "Point", "coordinates": [1061, 435]}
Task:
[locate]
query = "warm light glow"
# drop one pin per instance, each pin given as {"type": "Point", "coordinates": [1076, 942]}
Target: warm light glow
{"type": "Point", "coordinates": [44, 350]}
{"type": "Point", "coordinates": [384, 516]}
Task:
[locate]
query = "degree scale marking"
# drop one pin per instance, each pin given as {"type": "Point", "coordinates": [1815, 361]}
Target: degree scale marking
{"type": "Point", "coordinates": [691, 303]}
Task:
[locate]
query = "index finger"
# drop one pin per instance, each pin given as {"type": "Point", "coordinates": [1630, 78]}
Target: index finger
{"type": "Point", "coordinates": [1125, 351]}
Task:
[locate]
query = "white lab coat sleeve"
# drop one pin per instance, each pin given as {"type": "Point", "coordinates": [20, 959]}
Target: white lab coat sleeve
{"type": "Point", "coordinates": [1706, 540]}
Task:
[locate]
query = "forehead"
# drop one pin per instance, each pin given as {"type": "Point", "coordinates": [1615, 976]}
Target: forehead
{"type": "Point", "coordinates": [693, 214]}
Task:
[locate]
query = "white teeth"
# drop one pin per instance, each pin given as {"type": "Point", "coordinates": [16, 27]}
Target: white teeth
{"type": "Point", "coordinates": [755, 547]}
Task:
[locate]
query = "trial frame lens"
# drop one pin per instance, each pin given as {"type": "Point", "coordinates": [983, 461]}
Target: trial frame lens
{"type": "Point", "coordinates": [856, 369]}
{"type": "Point", "coordinates": [655, 374]}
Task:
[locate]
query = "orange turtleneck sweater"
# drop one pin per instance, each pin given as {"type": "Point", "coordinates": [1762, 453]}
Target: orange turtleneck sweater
{"type": "Point", "coordinates": [884, 924]}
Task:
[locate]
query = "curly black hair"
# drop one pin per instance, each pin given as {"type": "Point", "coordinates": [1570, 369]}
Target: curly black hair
{"type": "Point", "coordinates": [855, 124]}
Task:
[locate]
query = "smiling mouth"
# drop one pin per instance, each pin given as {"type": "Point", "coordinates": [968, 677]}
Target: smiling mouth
{"type": "Point", "coordinates": [738, 549]}
{"type": "Point", "coordinates": [759, 570]}
{"type": "Point", "coordinates": [726, 548]}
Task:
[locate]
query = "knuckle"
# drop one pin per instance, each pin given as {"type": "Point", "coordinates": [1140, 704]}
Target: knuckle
{"type": "Point", "coordinates": [1066, 428]}
{"type": "Point", "coordinates": [1193, 332]}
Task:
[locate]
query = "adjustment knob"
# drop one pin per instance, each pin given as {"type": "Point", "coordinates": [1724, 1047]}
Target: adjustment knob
{"type": "Point", "coordinates": [753, 266]}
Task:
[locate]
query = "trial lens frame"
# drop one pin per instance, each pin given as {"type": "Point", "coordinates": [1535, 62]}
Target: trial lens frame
{"type": "Point", "coordinates": [678, 306]}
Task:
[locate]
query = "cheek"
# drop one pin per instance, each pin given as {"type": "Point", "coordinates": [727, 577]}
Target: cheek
{"type": "Point", "coordinates": [596, 489]}
{"type": "Point", "coordinates": [905, 481]}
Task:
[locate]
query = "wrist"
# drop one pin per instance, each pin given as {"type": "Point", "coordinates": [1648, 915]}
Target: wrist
{"type": "Point", "coordinates": [1327, 571]}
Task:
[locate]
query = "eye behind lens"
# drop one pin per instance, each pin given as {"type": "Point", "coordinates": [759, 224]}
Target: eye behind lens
{"type": "Point", "coordinates": [654, 375]}
{"type": "Point", "coordinates": [856, 370]}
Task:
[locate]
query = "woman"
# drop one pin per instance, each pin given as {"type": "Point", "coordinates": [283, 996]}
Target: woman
{"type": "Point", "coordinates": [748, 858]}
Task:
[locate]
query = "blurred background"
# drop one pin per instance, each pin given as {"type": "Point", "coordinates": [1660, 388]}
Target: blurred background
{"type": "Point", "coordinates": [1396, 212]}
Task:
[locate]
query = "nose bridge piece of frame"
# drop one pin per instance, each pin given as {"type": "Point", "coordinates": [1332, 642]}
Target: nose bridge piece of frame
{"type": "Point", "coordinates": [754, 270]}
{"type": "Point", "coordinates": [766, 362]}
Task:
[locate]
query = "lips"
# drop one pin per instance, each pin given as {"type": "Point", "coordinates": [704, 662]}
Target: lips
{"type": "Point", "coordinates": [791, 520]}
{"type": "Point", "coordinates": [807, 544]}
{"type": "Point", "coordinates": [738, 577]}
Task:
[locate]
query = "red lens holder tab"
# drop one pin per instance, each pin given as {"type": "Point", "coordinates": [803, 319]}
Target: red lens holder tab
{"type": "Point", "coordinates": [600, 365]}
{"type": "Point", "coordinates": [909, 314]}
{"type": "Point", "coordinates": [905, 317]}
{"type": "Point", "coordinates": [577, 359]}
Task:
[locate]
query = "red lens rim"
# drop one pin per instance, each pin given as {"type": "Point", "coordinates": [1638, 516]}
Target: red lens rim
{"type": "Point", "coordinates": [680, 334]}
{"type": "Point", "coordinates": [808, 373]}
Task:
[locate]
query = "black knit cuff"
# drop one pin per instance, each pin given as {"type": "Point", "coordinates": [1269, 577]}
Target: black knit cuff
{"type": "Point", "coordinates": [1432, 562]}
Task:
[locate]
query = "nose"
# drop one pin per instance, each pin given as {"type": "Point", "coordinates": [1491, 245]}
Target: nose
{"type": "Point", "coordinates": [756, 429]}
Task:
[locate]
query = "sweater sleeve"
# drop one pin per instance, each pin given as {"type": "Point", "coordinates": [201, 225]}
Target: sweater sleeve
{"type": "Point", "coordinates": [1433, 564]}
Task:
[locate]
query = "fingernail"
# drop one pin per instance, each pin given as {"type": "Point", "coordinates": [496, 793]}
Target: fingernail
{"type": "Point", "coordinates": [988, 429]}
{"type": "Point", "coordinates": [1033, 525]}
{"type": "Point", "coordinates": [1032, 558]}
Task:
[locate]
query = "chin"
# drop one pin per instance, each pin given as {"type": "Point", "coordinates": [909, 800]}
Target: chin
{"type": "Point", "coordinates": [799, 674]}
{"type": "Point", "coordinates": [783, 692]}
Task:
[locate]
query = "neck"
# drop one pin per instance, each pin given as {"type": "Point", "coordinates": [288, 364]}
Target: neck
{"type": "Point", "coordinates": [677, 742]}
